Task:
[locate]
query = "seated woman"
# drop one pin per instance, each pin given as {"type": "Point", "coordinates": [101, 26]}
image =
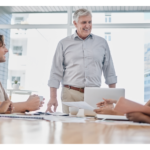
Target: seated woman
{"type": "Point", "coordinates": [33, 102]}
{"type": "Point", "coordinates": [6, 106]}
{"type": "Point", "coordinates": [105, 107]}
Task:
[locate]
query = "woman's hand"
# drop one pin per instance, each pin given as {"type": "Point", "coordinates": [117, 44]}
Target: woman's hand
{"type": "Point", "coordinates": [107, 102]}
{"type": "Point", "coordinates": [6, 107]}
{"type": "Point", "coordinates": [105, 110]}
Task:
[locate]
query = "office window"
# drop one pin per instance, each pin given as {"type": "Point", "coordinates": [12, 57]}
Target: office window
{"type": "Point", "coordinates": [18, 20]}
{"type": "Point", "coordinates": [20, 31]}
{"type": "Point", "coordinates": [17, 50]}
{"type": "Point", "coordinates": [147, 89]}
{"type": "Point", "coordinates": [147, 96]}
{"type": "Point", "coordinates": [39, 18]}
{"type": "Point", "coordinates": [122, 48]}
{"type": "Point", "coordinates": [107, 18]}
{"type": "Point", "coordinates": [147, 64]}
{"type": "Point", "coordinates": [108, 36]}
{"type": "Point", "coordinates": [120, 17]}
{"type": "Point", "coordinates": [15, 78]}
{"type": "Point", "coordinates": [110, 19]}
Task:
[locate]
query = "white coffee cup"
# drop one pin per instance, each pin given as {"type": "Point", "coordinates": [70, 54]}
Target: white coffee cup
{"type": "Point", "coordinates": [73, 110]}
{"type": "Point", "coordinates": [41, 98]}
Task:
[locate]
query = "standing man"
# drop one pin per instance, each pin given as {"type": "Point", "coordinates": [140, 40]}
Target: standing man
{"type": "Point", "coordinates": [78, 62]}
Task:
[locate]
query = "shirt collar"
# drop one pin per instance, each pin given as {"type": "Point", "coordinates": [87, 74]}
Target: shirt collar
{"type": "Point", "coordinates": [76, 36]}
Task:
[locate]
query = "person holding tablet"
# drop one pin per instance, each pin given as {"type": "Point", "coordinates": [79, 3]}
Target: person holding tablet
{"type": "Point", "coordinates": [33, 102]}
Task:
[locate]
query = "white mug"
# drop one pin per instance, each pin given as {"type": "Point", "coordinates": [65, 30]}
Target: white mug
{"type": "Point", "coordinates": [73, 110]}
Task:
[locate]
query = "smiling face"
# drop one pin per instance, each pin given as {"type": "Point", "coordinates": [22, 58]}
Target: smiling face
{"type": "Point", "coordinates": [83, 26]}
{"type": "Point", "coordinates": [3, 50]}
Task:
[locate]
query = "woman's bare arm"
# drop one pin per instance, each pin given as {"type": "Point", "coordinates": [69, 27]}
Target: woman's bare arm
{"type": "Point", "coordinates": [138, 117]}
{"type": "Point", "coordinates": [33, 103]}
{"type": "Point", "coordinates": [148, 103]}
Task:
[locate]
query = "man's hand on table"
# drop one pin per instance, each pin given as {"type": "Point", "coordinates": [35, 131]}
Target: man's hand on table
{"type": "Point", "coordinates": [138, 117]}
{"type": "Point", "coordinates": [52, 102]}
{"type": "Point", "coordinates": [112, 85]}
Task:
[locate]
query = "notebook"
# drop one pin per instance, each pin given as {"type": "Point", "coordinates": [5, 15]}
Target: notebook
{"type": "Point", "coordinates": [111, 117]}
{"type": "Point", "coordinates": [125, 106]}
{"type": "Point", "coordinates": [20, 116]}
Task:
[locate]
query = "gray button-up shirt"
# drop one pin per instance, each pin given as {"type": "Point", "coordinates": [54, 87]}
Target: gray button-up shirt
{"type": "Point", "coordinates": [80, 63]}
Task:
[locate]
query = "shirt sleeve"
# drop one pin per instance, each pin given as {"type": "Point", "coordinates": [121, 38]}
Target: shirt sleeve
{"type": "Point", "coordinates": [56, 73]}
{"type": "Point", "coordinates": [108, 67]}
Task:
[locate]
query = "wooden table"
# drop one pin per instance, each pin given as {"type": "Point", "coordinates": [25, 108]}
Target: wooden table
{"type": "Point", "coordinates": [90, 132]}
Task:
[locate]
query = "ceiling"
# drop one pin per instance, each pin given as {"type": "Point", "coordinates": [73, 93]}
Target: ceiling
{"type": "Point", "coordinates": [50, 9]}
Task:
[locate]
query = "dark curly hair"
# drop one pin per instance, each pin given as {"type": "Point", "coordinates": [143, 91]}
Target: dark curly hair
{"type": "Point", "coordinates": [1, 40]}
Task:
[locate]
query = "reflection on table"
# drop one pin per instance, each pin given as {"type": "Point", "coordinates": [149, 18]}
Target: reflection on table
{"type": "Point", "coordinates": [91, 131]}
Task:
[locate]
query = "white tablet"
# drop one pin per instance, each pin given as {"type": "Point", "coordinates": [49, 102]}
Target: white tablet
{"type": "Point", "coordinates": [94, 95]}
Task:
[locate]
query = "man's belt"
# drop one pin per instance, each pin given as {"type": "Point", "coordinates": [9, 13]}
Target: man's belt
{"type": "Point", "coordinates": [75, 88]}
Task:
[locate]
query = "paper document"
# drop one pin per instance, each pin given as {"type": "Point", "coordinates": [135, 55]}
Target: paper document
{"type": "Point", "coordinates": [82, 105]}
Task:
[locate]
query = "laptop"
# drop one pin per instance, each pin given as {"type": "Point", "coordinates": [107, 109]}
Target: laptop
{"type": "Point", "coordinates": [94, 95]}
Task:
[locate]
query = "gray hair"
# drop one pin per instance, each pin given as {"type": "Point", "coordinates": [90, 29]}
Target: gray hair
{"type": "Point", "coordinates": [81, 12]}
